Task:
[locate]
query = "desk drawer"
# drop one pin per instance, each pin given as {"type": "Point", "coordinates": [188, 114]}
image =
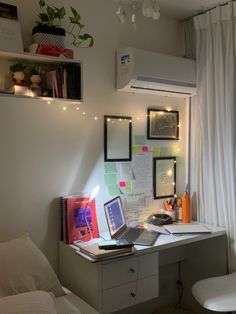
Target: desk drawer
{"type": "Point", "coordinates": [119, 298]}
{"type": "Point", "coordinates": [120, 272]}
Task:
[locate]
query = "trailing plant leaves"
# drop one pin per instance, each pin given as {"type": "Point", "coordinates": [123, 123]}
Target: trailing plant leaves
{"type": "Point", "coordinates": [43, 17]}
{"type": "Point", "coordinates": [51, 15]}
{"type": "Point", "coordinates": [85, 37]}
{"type": "Point", "coordinates": [42, 3]}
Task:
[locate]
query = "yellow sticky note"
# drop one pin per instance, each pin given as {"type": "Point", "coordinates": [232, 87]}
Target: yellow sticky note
{"type": "Point", "coordinates": [156, 152]}
{"type": "Point", "coordinates": [136, 149]}
{"type": "Point", "coordinates": [128, 187]}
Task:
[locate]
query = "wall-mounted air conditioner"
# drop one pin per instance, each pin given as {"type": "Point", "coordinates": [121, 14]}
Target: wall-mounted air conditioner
{"type": "Point", "coordinates": [154, 73]}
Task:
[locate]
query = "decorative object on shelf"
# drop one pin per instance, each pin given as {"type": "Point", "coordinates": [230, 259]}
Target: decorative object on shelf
{"type": "Point", "coordinates": [10, 31]}
{"type": "Point", "coordinates": [35, 78]}
{"type": "Point", "coordinates": [18, 74]}
{"type": "Point", "coordinates": [162, 124]}
{"type": "Point", "coordinates": [149, 9]}
{"type": "Point", "coordinates": [49, 32]}
{"type": "Point", "coordinates": [51, 51]}
{"type": "Point", "coordinates": [164, 177]}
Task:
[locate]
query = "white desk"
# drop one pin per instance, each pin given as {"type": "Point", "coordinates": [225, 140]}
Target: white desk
{"type": "Point", "coordinates": [121, 282]}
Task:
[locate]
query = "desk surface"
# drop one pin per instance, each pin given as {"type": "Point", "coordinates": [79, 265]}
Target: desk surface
{"type": "Point", "coordinates": [165, 241]}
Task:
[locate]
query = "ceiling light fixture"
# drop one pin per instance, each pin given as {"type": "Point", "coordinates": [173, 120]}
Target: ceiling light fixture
{"type": "Point", "coordinates": [149, 9]}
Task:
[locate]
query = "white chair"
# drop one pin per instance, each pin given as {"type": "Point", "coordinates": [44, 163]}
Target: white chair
{"type": "Point", "coordinates": [217, 293]}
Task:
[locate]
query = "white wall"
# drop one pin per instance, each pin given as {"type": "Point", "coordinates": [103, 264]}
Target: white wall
{"type": "Point", "coordinates": [47, 152]}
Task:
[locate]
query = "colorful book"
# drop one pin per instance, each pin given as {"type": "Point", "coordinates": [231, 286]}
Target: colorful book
{"type": "Point", "coordinates": [81, 219]}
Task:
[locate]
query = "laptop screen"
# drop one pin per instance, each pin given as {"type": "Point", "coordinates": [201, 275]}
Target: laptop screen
{"type": "Point", "coordinates": [114, 215]}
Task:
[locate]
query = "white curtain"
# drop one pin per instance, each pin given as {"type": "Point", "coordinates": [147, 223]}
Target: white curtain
{"type": "Point", "coordinates": [213, 116]}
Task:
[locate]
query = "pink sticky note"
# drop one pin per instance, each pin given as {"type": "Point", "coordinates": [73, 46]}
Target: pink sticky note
{"type": "Point", "coordinates": [145, 149]}
{"type": "Point", "coordinates": [122, 184]}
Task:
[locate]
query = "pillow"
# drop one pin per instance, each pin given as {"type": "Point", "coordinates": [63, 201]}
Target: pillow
{"type": "Point", "coordinates": [37, 302]}
{"type": "Point", "coordinates": [24, 268]}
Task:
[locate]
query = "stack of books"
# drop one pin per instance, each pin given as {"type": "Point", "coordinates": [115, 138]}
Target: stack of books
{"type": "Point", "coordinates": [78, 219]}
{"type": "Point", "coordinates": [64, 82]}
{"type": "Point", "coordinates": [93, 252]}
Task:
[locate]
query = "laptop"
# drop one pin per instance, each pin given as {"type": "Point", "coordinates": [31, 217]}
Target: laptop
{"type": "Point", "coordinates": [118, 228]}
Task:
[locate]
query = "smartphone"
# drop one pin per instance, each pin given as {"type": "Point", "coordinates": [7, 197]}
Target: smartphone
{"type": "Point", "coordinates": [114, 244]}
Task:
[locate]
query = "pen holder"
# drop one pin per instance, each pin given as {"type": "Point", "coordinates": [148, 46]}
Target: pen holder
{"type": "Point", "coordinates": [171, 213]}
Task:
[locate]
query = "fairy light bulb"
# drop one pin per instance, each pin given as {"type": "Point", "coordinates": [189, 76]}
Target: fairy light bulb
{"type": "Point", "coordinates": [95, 118]}
{"type": "Point", "coordinates": [84, 113]}
{"type": "Point", "coordinates": [64, 108]}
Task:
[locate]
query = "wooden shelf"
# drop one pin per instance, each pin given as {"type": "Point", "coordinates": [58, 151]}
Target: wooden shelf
{"type": "Point", "coordinates": [45, 61]}
{"type": "Point", "coordinates": [34, 58]}
{"type": "Point", "coordinates": [46, 99]}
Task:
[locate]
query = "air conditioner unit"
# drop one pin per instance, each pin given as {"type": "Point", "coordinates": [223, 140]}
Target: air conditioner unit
{"type": "Point", "coordinates": [154, 73]}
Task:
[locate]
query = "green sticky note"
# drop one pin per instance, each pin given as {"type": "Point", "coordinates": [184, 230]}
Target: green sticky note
{"type": "Point", "coordinates": [128, 187]}
{"type": "Point", "coordinates": [139, 140]}
{"type": "Point", "coordinates": [136, 149]}
{"type": "Point", "coordinates": [113, 190]}
{"type": "Point", "coordinates": [156, 152]}
{"type": "Point", "coordinates": [180, 161]}
{"type": "Point", "coordinates": [110, 178]}
{"type": "Point", "coordinates": [110, 167]}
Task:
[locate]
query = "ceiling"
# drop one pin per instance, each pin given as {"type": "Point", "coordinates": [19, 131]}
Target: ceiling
{"type": "Point", "coordinates": [182, 9]}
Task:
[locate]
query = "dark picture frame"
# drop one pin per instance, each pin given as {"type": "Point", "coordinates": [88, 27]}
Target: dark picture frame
{"type": "Point", "coordinates": [164, 177]}
{"type": "Point", "coordinates": [162, 124]}
{"type": "Point", "coordinates": [117, 138]}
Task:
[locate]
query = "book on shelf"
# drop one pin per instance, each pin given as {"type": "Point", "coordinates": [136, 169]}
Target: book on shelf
{"type": "Point", "coordinates": [78, 219]}
{"type": "Point", "coordinates": [64, 81]}
{"type": "Point", "coordinates": [94, 252]}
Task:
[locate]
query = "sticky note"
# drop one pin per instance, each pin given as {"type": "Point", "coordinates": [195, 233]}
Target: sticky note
{"type": "Point", "coordinates": [156, 152]}
{"type": "Point", "coordinates": [128, 187]}
{"type": "Point", "coordinates": [139, 140]}
{"type": "Point", "coordinates": [122, 184]}
{"type": "Point", "coordinates": [110, 178]}
{"type": "Point", "coordinates": [113, 190]}
{"type": "Point", "coordinates": [136, 149]}
{"type": "Point", "coordinates": [145, 149]}
{"type": "Point", "coordinates": [110, 167]}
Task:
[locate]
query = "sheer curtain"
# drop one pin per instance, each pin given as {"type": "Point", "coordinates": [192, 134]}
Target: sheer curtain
{"type": "Point", "coordinates": [213, 115]}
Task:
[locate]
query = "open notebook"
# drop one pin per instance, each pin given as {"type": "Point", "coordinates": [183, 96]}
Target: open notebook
{"type": "Point", "coordinates": [187, 229]}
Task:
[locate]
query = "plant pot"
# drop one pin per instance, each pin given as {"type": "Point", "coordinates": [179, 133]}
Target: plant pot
{"type": "Point", "coordinates": [49, 35]}
{"type": "Point", "coordinates": [18, 77]}
{"type": "Point", "coordinates": [35, 79]}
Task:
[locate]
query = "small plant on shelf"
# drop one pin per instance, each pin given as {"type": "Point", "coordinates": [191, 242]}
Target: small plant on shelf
{"type": "Point", "coordinates": [49, 29]}
{"type": "Point", "coordinates": [18, 74]}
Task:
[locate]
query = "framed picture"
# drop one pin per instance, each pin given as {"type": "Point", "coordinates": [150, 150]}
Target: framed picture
{"type": "Point", "coordinates": [162, 124]}
{"type": "Point", "coordinates": [164, 177]}
{"type": "Point", "coordinates": [10, 31]}
{"type": "Point", "coordinates": [117, 138]}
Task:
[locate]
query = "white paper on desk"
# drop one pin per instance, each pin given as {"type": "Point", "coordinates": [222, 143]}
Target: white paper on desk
{"type": "Point", "coordinates": [142, 166]}
{"type": "Point", "coordinates": [159, 229]}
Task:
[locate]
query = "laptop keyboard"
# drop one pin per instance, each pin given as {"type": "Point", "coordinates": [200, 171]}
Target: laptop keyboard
{"type": "Point", "coordinates": [131, 234]}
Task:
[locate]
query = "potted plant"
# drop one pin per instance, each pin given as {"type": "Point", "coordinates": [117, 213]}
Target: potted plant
{"type": "Point", "coordinates": [35, 78]}
{"type": "Point", "coordinates": [49, 31]}
{"type": "Point", "coordinates": [18, 74]}
{"type": "Point", "coordinates": [35, 75]}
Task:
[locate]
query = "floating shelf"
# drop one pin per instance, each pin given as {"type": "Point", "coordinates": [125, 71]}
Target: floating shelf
{"type": "Point", "coordinates": [44, 60]}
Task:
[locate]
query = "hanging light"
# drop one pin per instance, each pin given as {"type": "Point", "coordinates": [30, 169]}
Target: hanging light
{"type": "Point", "coordinates": [121, 14]}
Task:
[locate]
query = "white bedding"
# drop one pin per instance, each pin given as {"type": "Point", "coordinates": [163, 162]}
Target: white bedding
{"type": "Point", "coordinates": [63, 305]}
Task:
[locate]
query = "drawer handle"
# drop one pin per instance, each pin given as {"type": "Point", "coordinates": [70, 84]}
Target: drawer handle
{"type": "Point", "coordinates": [132, 270]}
{"type": "Point", "coordinates": [133, 295]}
